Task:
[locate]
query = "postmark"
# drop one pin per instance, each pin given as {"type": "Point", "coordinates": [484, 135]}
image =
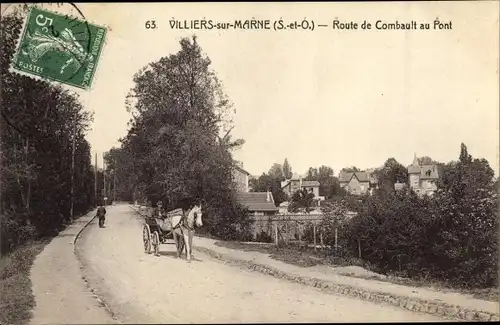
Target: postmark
{"type": "Point", "coordinates": [57, 47]}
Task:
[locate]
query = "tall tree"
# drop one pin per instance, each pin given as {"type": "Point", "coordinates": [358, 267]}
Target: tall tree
{"type": "Point", "coordinates": [44, 152]}
{"type": "Point", "coordinates": [179, 139]}
{"type": "Point", "coordinates": [464, 158]}
{"type": "Point", "coordinates": [287, 169]}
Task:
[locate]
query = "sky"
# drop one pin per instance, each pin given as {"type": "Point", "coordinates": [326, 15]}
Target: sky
{"type": "Point", "coordinates": [324, 97]}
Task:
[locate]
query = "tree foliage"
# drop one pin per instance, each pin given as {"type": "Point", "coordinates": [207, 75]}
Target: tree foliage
{"type": "Point", "coordinates": [179, 148]}
{"type": "Point", "coordinates": [287, 169]}
{"type": "Point", "coordinates": [301, 200]}
{"type": "Point", "coordinates": [38, 124]}
{"type": "Point", "coordinates": [350, 169]}
{"type": "Point", "coordinates": [276, 172]}
{"type": "Point", "coordinates": [450, 236]}
{"type": "Point", "coordinates": [392, 172]}
{"type": "Point", "coordinates": [266, 182]}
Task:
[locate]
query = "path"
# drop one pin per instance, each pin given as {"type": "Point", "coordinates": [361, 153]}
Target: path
{"type": "Point", "coordinates": [60, 292]}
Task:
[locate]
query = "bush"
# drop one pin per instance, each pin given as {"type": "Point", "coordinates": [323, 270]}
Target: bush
{"type": "Point", "coordinates": [263, 237]}
{"type": "Point", "coordinates": [15, 230]}
{"type": "Point", "coordinates": [450, 237]}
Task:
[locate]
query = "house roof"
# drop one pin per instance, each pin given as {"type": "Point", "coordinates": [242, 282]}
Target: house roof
{"type": "Point", "coordinates": [238, 168]}
{"type": "Point", "coordinates": [429, 172]}
{"type": "Point", "coordinates": [425, 171]}
{"type": "Point", "coordinates": [256, 201]}
{"type": "Point", "coordinates": [345, 177]}
{"type": "Point", "coordinates": [310, 183]}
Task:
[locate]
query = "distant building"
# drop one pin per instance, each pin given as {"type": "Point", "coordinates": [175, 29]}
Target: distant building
{"type": "Point", "coordinates": [240, 177]}
{"type": "Point", "coordinates": [358, 183]}
{"type": "Point", "coordinates": [422, 178]}
{"type": "Point", "coordinates": [292, 185]}
{"type": "Point", "coordinates": [258, 203]}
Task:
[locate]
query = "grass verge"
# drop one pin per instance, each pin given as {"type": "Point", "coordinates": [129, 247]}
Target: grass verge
{"type": "Point", "coordinates": [16, 296]}
{"type": "Point", "coordinates": [307, 257]}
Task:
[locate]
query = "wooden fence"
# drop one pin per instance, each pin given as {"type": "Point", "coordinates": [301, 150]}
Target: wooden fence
{"type": "Point", "coordinates": [290, 228]}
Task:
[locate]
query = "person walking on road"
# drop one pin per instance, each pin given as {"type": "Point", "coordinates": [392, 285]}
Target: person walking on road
{"type": "Point", "coordinates": [101, 214]}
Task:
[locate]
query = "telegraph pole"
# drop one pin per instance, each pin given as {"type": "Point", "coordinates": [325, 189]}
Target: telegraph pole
{"type": "Point", "coordinates": [73, 170]}
{"type": "Point", "coordinates": [114, 185]}
{"type": "Point", "coordinates": [95, 181]}
{"type": "Point", "coordinates": [104, 177]}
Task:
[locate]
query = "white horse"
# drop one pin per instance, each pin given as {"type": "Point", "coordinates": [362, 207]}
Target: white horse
{"type": "Point", "coordinates": [182, 226]}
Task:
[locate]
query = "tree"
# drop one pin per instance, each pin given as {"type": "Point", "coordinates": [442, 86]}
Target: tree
{"type": "Point", "coordinates": [276, 172]}
{"type": "Point", "coordinates": [465, 231]}
{"type": "Point", "coordinates": [392, 172]}
{"type": "Point", "coordinates": [266, 183]}
{"type": "Point", "coordinates": [451, 236]}
{"type": "Point", "coordinates": [179, 144]}
{"type": "Point", "coordinates": [301, 199]}
{"type": "Point", "coordinates": [39, 124]}
{"type": "Point", "coordinates": [426, 160]}
{"type": "Point", "coordinates": [352, 169]}
{"type": "Point", "coordinates": [326, 180]}
{"type": "Point", "coordinates": [312, 174]}
{"type": "Point", "coordinates": [287, 169]}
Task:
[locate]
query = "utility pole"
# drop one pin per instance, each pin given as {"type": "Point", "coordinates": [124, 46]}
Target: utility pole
{"type": "Point", "coordinates": [95, 181]}
{"type": "Point", "coordinates": [114, 185]}
{"type": "Point", "coordinates": [104, 177]}
{"type": "Point", "coordinates": [73, 170]}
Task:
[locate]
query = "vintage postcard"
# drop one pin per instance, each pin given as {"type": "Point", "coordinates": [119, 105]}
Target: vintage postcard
{"type": "Point", "coordinates": [275, 162]}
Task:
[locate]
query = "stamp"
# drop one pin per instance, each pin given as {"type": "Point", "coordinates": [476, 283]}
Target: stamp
{"type": "Point", "coordinates": [59, 48]}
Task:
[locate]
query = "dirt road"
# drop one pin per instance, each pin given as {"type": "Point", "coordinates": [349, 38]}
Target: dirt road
{"type": "Point", "coordinates": [143, 288]}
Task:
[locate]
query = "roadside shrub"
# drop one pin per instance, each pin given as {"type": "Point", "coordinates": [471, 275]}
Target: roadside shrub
{"type": "Point", "coordinates": [451, 237]}
{"type": "Point", "coordinates": [263, 237]}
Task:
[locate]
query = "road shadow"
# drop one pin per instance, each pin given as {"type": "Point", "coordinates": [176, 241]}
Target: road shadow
{"type": "Point", "coordinates": [174, 256]}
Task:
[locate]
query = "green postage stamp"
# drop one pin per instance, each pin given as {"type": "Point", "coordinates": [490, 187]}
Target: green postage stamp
{"type": "Point", "coordinates": [60, 48]}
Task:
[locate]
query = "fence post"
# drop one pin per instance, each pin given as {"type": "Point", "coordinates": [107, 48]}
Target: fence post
{"type": "Point", "coordinates": [321, 237]}
{"type": "Point", "coordinates": [359, 248]}
{"type": "Point", "coordinates": [336, 240]}
{"type": "Point", "coordinates": [314, 235]}
{"type": "Point", "coordinates": [276, 234]}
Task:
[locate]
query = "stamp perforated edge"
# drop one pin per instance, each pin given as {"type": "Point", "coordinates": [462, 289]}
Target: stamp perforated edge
{"type": "Point", "coordinates": [15, 55]}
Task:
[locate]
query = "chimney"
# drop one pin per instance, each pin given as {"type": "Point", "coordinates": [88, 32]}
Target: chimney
{"type": "Point", "coordinates": [268, 199]}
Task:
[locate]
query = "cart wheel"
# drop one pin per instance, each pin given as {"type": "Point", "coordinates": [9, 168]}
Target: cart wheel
{"type": "Point", "coordinates": [156, 243]}
{"type": "Point", "coordinates": [146, 237]}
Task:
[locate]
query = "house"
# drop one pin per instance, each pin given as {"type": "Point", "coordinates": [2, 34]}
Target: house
{"type": "Point", "coordinates": [240, 177]}
{"type": "Point", "coordinates": [257, 203]}
{"type": "Point", "coordinates": [296, 183]}
{"type": "Point", "coordinates": [358, 183]}
{"type": "Point", "coordinates": [422, 178]}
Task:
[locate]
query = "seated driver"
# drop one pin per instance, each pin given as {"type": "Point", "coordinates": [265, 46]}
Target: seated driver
{"type": "Point", "coordinates": [158, 212]}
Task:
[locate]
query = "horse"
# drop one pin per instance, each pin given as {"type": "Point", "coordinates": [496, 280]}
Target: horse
{"type": "Point", "coordinates": [182, 226]}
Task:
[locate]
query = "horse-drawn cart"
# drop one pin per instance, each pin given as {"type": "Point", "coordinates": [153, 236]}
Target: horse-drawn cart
{"type": "Point", "coordinates": [156, 231]}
